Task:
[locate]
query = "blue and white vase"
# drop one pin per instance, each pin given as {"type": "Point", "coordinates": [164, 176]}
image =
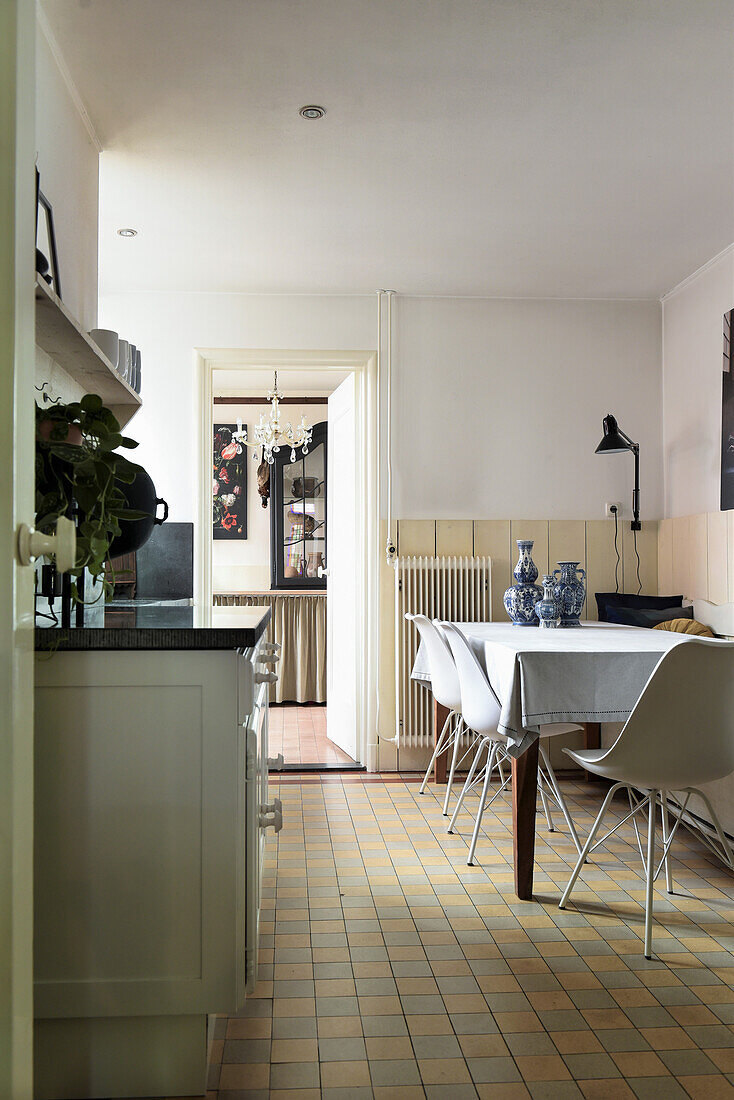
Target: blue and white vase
{"type": "Point", "coordinates": [570, 591]}
{"type": "Point", "coordinates": [520, 599]}
{"type": "Point", "coordinates": [548, 609]}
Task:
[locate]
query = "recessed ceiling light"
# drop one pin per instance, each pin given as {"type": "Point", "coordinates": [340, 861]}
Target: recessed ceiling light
{"type": "Point", "coordinates": [312, 111]}
{"type": "Point", "coordinates": [127, 232]}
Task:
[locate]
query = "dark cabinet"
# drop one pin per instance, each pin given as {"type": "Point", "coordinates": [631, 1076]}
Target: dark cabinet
{"type": "Point", "coordinates": [298, 515]}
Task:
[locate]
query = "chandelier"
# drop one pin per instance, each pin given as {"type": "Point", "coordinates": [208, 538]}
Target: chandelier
{"type": "Point", "coordinates": [271, 435]}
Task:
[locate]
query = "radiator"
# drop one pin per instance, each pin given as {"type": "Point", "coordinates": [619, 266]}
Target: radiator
{"type": "Point", "coordinates": [456, 589]}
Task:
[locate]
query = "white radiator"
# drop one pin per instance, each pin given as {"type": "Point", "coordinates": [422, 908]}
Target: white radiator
{"type": "Point", "coordinates": [456, 589]}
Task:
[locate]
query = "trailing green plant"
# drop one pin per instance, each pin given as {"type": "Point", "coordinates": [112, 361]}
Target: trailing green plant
{"type": "Point", "coordinates": [84, 479]}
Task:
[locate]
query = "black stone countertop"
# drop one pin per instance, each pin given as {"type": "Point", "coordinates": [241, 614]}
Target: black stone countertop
{"type": "Point", "coordinates": [161, 626]}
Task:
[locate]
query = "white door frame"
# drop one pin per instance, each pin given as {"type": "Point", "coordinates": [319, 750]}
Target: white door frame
{"type": "Point", "coordinates": [365, 367]}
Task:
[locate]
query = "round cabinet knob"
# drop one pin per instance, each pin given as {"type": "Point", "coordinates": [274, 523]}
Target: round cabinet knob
{"type": "Point", "coordinates": [62, 546]}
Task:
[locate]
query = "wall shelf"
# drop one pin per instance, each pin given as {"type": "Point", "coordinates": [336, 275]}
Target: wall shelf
{"type": "Point", "coordinates": [62, 338]}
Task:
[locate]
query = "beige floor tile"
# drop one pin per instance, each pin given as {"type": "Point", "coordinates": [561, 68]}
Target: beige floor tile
{"type": "Point", "coordinates": [605, 1090]}
{"type": "Point", "coordinates": [344, 1074]}
{"type": "Point", "coordinates": [503, 1092]}
{"type": "Point", "coordinates": [249, 1028]}
{"type": "Point", "coordinates": [295, 1094]}
{"type": "Point", "coordinates": [339, 1027]}
{"type": "Point", "coordinates": [542, 1067]}
{"type": "Point", "coordinates": [294, 1050]}
{"type": "Point", "coordinates": [642, 1063]}
{"type": "Point", "coordinates": [576, 1042]}
{"type": "Point", "coordinates": [382, 1047]}
{"type": "Point", "coordinates": [294, 1006]}
{"type": "Point", "coordinates": [707, 1087]}
{"type": "Point", "coordinates": [429, 1025]}
{"type": "Point", "coordinates": [510, 1022]}
{"type": "Point", "coordinates": [723, 1059]}
{"type": "Point", "coordinates": [379, 1006]}
{"type": "Point", "coordinates": [248, 1076]}
{"type": "Point", "coordinates": [483, 1046]}
{"type": "Point", "coordinates": [443, 1071]}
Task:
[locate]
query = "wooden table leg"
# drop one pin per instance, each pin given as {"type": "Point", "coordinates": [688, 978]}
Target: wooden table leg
{"type": "Point", "coordinates": [592, 734]}
{"type": "Point", "coordinates": [524, 798]}
{"type": "Point", "coordinates": [440, 714]}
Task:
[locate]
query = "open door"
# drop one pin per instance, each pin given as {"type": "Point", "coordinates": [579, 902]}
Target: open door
{"type": "Point", "coordinates": [341, 570]}
{"type": "Point", "coordinates": [17, 449]}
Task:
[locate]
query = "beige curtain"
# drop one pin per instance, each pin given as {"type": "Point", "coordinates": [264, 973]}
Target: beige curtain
{"type": "Point", "coordinates": [298, 622]}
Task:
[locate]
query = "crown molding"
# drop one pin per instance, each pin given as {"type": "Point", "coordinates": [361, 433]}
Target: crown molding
{"type": "Point", "coordinates": [698, 272]}
{"type": "Point", "coordinates": [48, 34]}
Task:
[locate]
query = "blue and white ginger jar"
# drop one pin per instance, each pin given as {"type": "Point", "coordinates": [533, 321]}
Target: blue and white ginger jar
{"type": "Point", "coordinates": [548, 609]}
{"type": "Point", "coordinates": [570, 591]}
{"type": "Point", "coordinates": [520, 599]}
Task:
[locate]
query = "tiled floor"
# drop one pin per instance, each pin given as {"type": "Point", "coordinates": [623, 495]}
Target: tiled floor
{"type": "Point", "coordinates": [390, 969]}
{"type": "Point", "coordinates": [299, 732]}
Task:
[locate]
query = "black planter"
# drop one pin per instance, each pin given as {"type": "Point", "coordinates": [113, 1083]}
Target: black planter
{"type": "Point", "coordinates": [140, 495]}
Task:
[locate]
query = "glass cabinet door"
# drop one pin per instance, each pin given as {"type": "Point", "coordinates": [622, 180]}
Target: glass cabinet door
{"type": "Point", "coordinates": [298, 523]}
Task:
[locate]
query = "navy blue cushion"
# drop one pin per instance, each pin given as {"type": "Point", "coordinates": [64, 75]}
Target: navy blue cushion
{"type": "Point", "coordinates": [606, 600]}
{"type": "Point", "coordinates": [640, 616]}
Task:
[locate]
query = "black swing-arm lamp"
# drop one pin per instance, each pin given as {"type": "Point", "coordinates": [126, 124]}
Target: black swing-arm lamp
{"type": "Point", "coordinates": [614, 441]}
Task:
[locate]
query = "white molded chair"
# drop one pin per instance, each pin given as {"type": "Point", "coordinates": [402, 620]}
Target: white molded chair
{"type": "Point", "coordinates": [481, 711]}
{"type": "Point", "coordinates": [680, 733]}
{"type": "Point", "coordinates": [446, 691]}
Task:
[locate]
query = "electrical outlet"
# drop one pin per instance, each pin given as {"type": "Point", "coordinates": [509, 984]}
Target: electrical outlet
{"type": "Point", "coordinates": [610, 506]}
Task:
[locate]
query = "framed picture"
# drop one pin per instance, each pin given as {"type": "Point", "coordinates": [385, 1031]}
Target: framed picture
{"type": "Point", "coordinates": [229, 484]}
{"type": "Point", "coordinates": [47, 260]}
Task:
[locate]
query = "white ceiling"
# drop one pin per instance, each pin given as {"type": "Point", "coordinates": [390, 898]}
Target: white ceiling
{"type": "Point", "coordinates": [579, 148]}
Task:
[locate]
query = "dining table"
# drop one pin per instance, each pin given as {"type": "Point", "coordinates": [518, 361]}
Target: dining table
{"type": "Point", "coordinates": [588, 675]}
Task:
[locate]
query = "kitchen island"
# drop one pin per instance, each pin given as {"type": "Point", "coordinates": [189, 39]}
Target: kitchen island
{"type": "Point", "coordinates": [151, 808]}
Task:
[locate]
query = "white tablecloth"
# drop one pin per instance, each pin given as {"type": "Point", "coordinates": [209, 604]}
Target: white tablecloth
{"type": "Point", "coordinates": [594, 673]}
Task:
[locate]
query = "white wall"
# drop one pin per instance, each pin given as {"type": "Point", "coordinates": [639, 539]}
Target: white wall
{"type": "Point", "coordinates": [504, 402]}
{"type": "Point", "coordinates": [692, 365]}
{"type": "Point", "coordinates": [69, 166]}
{"type": "Point", "coordinates": [168, 327]}
{"type": "Point", "coordinates": [498, 404]}
{"type": "Point", "coordinates": [244, 565]}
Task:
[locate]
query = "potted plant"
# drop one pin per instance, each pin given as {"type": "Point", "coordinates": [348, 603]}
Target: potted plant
{"type": "Point", "coordinates": [80, 473]}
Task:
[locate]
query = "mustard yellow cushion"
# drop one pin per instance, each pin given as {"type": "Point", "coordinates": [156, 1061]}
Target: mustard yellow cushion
{"type": "Point", "coordinates": [686, 626]}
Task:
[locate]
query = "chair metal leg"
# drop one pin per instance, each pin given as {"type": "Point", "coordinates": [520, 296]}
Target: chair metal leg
{"type": "Point", "coordinates": [441, 744]}
{"type": "Point", "coordinates": [454, 755]}
{"type": "Point", "coordinates": [560, 800]}
{"type": "Point", "coordinates": [650, 873]}
{"type": "Point", "coordinates": [589, 843]}
{"type": "Point", "coordinates": [719, 845]}
{"type": "Point", "coordinates": [666, 834]}
{"type": "Point", "coordinates": [468, 782]}
{"type": "Point", "coordinates": [482, 803]}
{"type": "Point", "coordinates": [544, 801]}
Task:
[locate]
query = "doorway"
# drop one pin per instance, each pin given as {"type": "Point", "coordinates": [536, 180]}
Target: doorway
{"type": "Point", "coordinates": [323, 598]}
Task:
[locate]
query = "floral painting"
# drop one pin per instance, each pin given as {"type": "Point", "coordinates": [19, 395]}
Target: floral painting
{"type": "Point", "coordinates": [229, 484]}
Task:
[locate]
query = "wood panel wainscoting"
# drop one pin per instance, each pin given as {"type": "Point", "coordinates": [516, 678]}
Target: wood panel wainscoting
{"type": "Point", "coordinates": [298, 623]}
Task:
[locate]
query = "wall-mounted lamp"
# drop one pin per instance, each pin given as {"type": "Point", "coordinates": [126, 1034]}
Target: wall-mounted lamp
{"type": "Point", "coordinates": [614, 441]}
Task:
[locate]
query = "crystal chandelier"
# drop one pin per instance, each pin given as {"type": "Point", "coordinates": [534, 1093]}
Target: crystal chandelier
{"type": "Point", "coordinates": [271, 435]}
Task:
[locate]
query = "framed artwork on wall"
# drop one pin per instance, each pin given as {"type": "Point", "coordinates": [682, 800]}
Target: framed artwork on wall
{"type": "Point", "coordinates": [727, 417]}
{"type": "Point", "coordinates": [229, 485]}
{"type": "Point", "coordinates": [47, 260]}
